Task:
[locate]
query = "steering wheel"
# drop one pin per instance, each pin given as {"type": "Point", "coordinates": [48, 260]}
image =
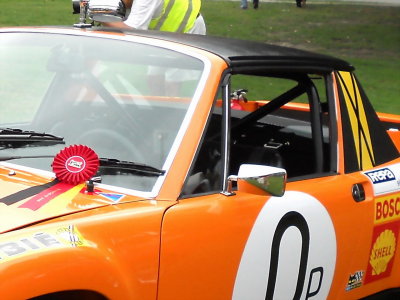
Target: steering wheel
{"type": "Point", "coordinates": [111, 144]}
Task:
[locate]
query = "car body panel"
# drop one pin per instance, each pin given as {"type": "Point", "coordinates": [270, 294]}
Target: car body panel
{"type": "Point", "coordinates": [27, 197]}
{"type": "Point", "coordinates": [92, 251]}
{"type": "Point", "coordinates": [229, 221]}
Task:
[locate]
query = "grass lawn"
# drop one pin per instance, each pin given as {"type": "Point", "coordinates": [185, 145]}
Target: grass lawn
{"type": "Point", "coordinates": [366, 36]}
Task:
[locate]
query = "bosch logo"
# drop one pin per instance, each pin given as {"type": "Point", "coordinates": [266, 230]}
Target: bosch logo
{"type": "Point", "coordinates": [387, 208]}
{"type": "Point", "coordinates": [382, 175]}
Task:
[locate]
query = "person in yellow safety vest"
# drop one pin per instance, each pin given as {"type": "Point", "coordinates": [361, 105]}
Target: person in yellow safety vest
{"type": "Point", "coordinates": [165, 15]}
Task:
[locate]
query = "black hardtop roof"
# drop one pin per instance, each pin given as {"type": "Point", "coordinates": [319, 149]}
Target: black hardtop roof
{"type": "Point", "coordinates": [242, 53]}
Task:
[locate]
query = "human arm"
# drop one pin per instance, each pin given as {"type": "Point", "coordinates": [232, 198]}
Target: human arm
{"type": "Point", "coordinates": [142, 12]}
{"type": "Point", "coordinates": [140, 16]}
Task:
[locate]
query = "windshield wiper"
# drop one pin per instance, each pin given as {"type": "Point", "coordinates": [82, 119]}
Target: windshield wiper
{"type": "Point", "coordinates": [110, 166]}
{"type": "Point", "coordinates": [13, 137]}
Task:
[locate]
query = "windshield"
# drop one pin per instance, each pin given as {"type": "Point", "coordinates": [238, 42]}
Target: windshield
{"type": "Point", "coordinates": [125, 100]}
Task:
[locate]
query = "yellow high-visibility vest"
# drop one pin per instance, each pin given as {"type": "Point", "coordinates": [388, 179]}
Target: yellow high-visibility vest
{"type": "Point", "coordinates": [177, 16]}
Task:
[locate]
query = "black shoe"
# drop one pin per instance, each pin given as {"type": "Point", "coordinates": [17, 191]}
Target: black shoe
{"type": "Point", "coordinates": [255, 4]}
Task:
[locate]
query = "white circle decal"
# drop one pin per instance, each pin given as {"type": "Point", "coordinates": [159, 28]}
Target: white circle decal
{"type": "Point", "coordinates": [290, 253]}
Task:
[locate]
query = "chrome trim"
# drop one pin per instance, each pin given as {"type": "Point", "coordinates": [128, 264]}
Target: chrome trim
{"type": "Point", "coordinates": [106, 11]}
{"type": "Point", "coordinates": [266, 179]}
{"type": "Point", "coordinates": [226, 119]}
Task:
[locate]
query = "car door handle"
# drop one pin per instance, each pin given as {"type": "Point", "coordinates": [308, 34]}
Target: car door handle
{"type": "Point", "coordinates": [358, 192]}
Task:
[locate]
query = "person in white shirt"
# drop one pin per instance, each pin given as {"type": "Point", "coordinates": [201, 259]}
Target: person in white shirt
{"type": "Point", "coordinates": [164, 15]}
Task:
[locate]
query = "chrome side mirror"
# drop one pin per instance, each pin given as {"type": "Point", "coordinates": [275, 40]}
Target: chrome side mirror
{"type": "Point", "coordinates": [258, 179]}
{"type": "Point", "coordinates": [105, 11]}
{"type": "Point", "coordinates": [102, 11]}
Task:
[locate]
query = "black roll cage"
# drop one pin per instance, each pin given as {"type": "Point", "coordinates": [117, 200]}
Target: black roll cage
{"type": "Point", "coordinates": [305, 85]}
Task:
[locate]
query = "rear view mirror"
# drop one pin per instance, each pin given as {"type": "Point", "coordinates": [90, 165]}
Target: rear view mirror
{"type": "Point", "coordinates": [258, 179]}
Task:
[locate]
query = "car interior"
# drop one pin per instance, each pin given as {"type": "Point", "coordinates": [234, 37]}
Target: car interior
{"type": "Point", "coordinates": [274, 134]}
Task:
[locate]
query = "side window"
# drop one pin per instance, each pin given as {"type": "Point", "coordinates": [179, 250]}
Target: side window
{"type": "Point", "coordinates": [206, 173]}
{"type": "Point", "coordinates": [289, 130]}
{"type": "Point", "coordinates": [278, 120]}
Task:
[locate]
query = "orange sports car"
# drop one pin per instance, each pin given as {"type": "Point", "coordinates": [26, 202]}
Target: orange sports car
{"type": "Point", "coordinates": [143, 165]}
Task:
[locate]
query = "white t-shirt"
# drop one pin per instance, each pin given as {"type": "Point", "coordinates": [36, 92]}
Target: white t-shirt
{"type": "Point", "coordinates": [143, 11]}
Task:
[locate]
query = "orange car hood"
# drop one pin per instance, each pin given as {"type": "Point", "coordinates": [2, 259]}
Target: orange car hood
{"type": "Point", "coordinates": [28, 197]}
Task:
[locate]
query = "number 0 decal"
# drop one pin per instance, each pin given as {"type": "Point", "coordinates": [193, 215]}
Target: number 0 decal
{"type": "Point", "coordinates": [288, 220]}
{"type": "Point", "coordinates": [290, 253]}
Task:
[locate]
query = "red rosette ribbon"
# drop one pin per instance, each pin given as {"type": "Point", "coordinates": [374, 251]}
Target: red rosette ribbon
{"type": "Point", "coordinates": [75, 164]}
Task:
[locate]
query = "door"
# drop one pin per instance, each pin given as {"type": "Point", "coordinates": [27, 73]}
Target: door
{"type": "Point", "coordinates": [312, 243]}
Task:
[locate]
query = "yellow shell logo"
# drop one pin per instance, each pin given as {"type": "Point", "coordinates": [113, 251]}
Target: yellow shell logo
{"type": "Point", "coordinates": [382, 252]}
